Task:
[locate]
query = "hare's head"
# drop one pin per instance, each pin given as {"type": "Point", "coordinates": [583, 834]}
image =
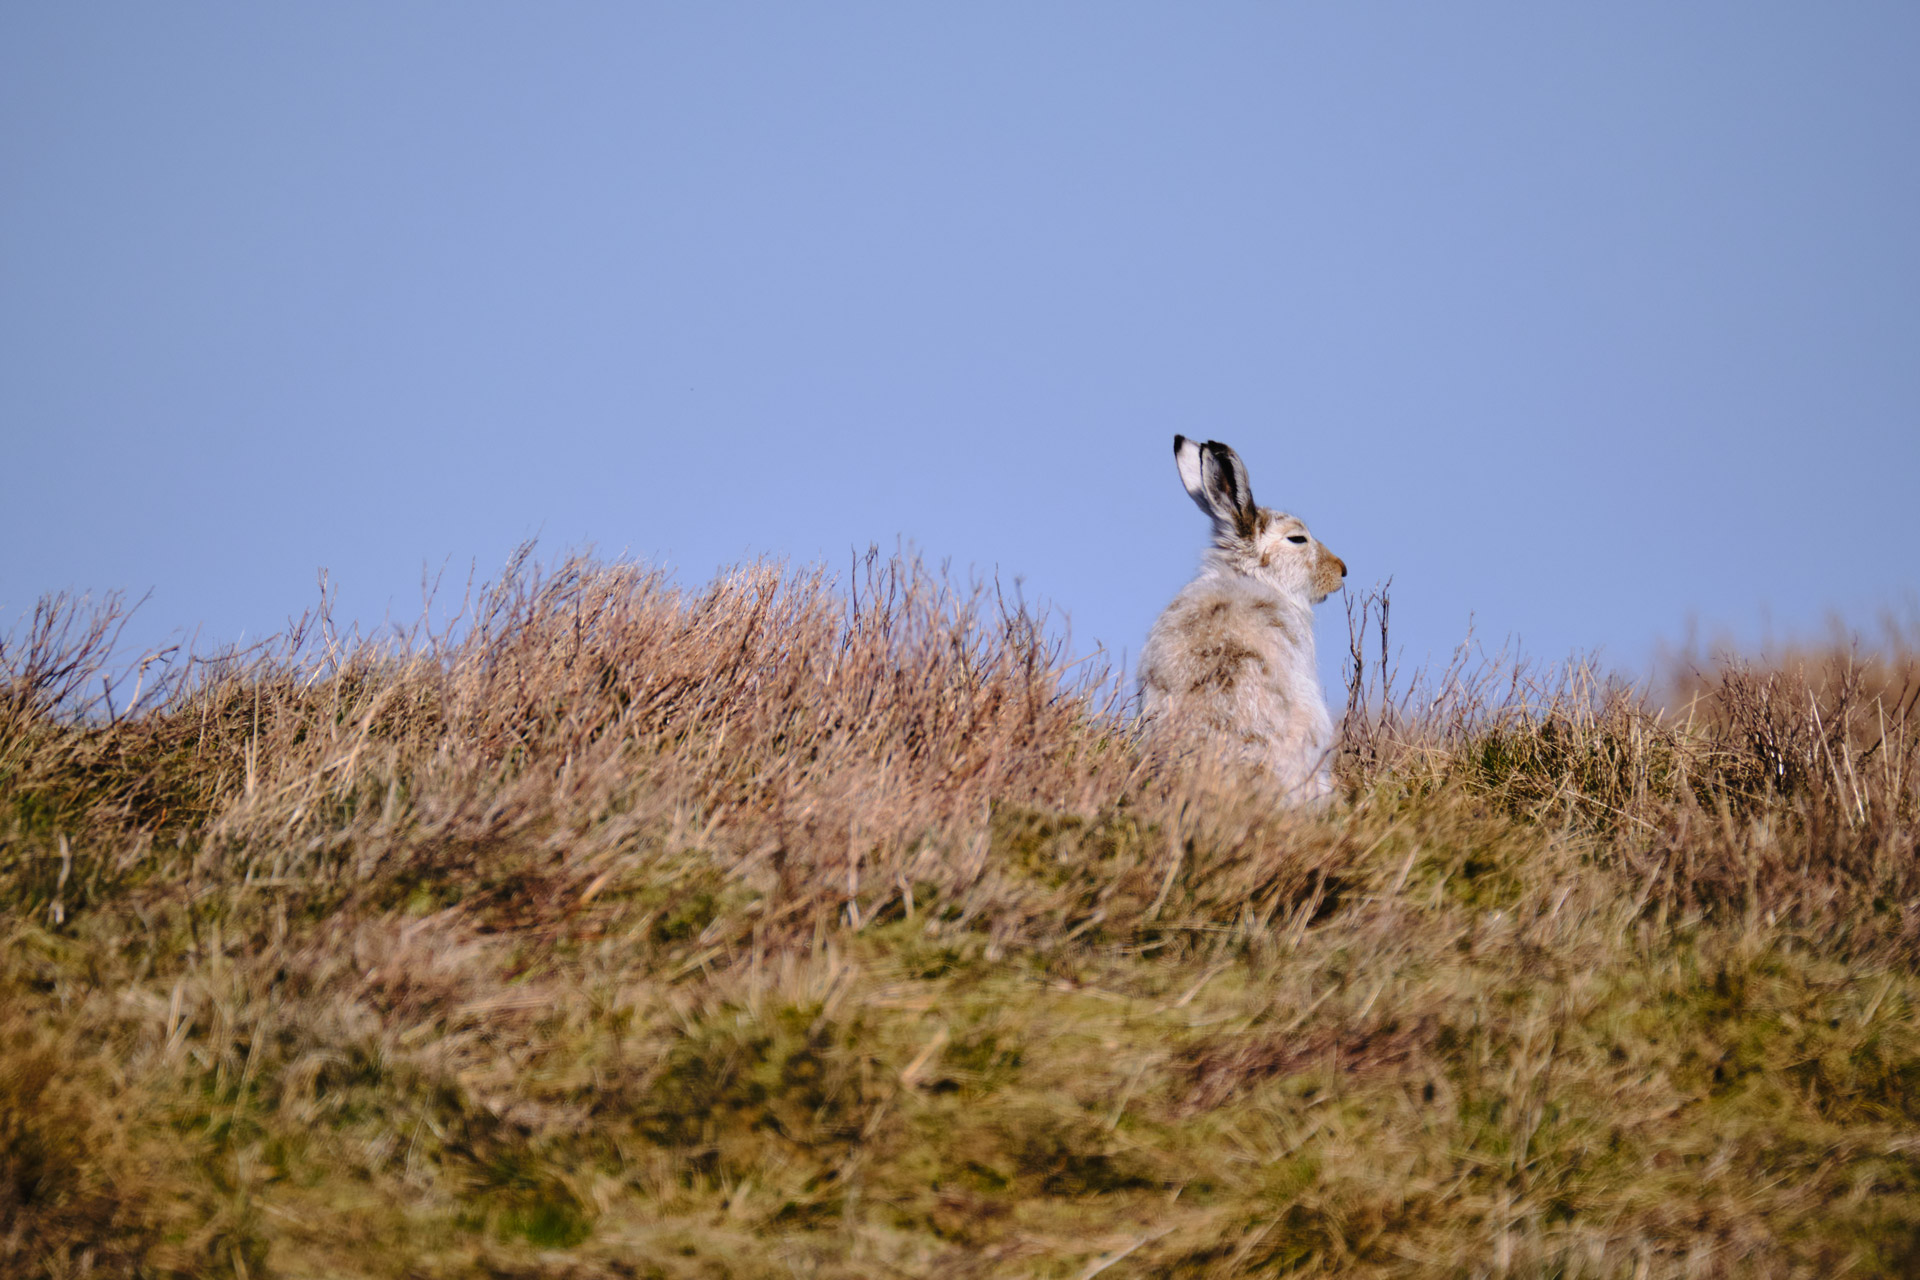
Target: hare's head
{"type": "Point", "coordinates": [1258, 542]}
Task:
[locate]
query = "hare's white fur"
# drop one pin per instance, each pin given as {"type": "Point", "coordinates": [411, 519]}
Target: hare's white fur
{"type": "Point", "coordinates": [1231, 660]}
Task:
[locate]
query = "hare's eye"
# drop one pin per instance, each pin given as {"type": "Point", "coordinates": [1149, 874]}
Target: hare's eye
{"type": "Point", "coordinates": [1298, 539]}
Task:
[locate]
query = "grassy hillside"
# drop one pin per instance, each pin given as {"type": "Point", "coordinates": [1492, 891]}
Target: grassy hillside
{"type": "Point", "coordinates": [793, 928]}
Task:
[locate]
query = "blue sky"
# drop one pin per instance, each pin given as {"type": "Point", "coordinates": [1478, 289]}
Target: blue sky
{"type": "Point", "coordinates": [1583, 322]}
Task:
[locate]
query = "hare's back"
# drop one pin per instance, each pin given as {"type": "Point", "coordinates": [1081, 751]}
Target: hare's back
{"type": "Point", "coordinates": [1217, 648]}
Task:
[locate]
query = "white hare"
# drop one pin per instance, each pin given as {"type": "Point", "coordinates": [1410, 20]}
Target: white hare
{"type": "Point", "coordinates": [1232, 658]}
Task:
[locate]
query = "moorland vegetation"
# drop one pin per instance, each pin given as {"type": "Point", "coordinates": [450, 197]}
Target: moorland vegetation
{"type": "Point", "coordinates": [803, 926]}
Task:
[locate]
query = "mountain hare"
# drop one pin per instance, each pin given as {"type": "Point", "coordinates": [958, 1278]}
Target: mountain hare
{"type": "Point", "coordinates": [1232, 656]}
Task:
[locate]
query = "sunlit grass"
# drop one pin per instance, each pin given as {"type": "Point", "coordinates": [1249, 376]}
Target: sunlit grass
{"type": "Point", "coordinates": [789, 927]}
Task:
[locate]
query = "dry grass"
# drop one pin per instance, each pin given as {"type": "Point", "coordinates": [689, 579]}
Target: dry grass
{"type": "Point", "coordinates": [793, 927]}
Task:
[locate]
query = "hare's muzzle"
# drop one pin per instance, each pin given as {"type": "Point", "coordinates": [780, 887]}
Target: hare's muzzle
{"type": "Point", "coordinates": [1329, 571]}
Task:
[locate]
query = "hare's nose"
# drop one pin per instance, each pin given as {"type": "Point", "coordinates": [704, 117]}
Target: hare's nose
{"type": "Point", "coordinates": [1343, 565]}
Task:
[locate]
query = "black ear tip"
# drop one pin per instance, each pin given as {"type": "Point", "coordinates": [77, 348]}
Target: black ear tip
{"type": "Point", "coordinates": [1179, 442]}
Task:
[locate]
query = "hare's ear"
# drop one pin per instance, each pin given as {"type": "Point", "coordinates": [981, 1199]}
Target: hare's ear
{"type": "Point", "coordinates": [1216, 480]}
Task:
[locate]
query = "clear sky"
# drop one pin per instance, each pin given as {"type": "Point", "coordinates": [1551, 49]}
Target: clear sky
{"type": "Point", "coordinates": [1583, 321]}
